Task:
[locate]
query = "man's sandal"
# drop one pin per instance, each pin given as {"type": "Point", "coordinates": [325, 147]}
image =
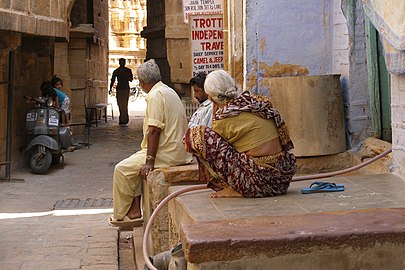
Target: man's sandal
{"type": "Point", "coordinates": [125, 222]}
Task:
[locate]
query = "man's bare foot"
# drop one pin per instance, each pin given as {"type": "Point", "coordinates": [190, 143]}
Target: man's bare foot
{"type": "Point", "coordinates": [134, 216]}
{"type": "Point", "coordinates": [227, 192]}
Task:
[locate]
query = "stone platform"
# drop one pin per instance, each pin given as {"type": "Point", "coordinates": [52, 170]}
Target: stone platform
{"type": "Point", "coordinates": [360, 228]}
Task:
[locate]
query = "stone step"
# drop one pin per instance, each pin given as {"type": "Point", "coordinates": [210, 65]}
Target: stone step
{"type": "Point", "coordinates": [376, 232]}
{"type": "Point", "coordinates": [360, 228]}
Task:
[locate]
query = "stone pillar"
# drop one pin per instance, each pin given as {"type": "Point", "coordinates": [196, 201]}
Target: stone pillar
{"type": "Point", "coordinates": [398, 123]}
{"type": "Point", "coordinates": [61, 65]}
{"type": "Point", "coordinates": [8, 42]}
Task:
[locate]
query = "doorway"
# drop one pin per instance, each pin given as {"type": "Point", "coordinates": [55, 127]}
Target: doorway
{"type": "Point", "coordinates": [379, 85]}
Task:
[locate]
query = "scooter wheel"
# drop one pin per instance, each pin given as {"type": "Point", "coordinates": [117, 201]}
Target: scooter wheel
{"type": "Point", "coordinates": [40, 162]}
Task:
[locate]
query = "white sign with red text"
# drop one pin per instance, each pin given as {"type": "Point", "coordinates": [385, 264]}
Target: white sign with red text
{"type": "Point", "coordinates": [207, 43]}
{"type": "Point", "coordinates": [194, 7]}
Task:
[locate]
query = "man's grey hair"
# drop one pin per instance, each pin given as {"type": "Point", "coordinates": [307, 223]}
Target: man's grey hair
{"type": "Point", "coordinates": [149, 72]}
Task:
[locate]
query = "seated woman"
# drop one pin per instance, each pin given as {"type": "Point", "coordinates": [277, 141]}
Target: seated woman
{"type": "Point", "coordinates": [248, 151]}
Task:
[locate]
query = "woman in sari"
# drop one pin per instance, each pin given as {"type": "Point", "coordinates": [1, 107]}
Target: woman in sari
{"type": "Point", "coordinates": [248, 151]}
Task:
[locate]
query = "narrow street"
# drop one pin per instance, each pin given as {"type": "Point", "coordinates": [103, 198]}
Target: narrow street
{"type": "Point", "coordinates": [59, 220]}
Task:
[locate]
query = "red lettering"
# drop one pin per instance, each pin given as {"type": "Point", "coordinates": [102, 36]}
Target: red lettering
{"type": "Point", "coordinates": [207, 23]}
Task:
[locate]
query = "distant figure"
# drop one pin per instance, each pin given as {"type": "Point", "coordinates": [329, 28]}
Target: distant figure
{"type": "Point", "coordinates": [61, 99]}
{"type": "Point", "coordinates": [203, 115]}
{"type": "Point", "coordinates": [124, 76]}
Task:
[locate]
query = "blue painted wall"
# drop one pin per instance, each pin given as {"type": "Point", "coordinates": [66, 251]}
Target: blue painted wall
{"type": "Point", "coordinates": [312, 35]}
{"type": "Point", "coordinates": [289, 32]}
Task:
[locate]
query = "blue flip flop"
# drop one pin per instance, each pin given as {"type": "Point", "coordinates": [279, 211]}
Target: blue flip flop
{"type": "Point", "coordinates": [319, 187]}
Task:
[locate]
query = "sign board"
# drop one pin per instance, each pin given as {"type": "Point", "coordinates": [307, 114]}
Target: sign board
{"type": "Point", "coordinates": [193, 7]}
{"type": "Point", "coordinates": [206, 42]}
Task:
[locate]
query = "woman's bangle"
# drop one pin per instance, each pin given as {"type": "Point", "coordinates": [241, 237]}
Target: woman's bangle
{"type": "Point", "coordinates": [149, 157]}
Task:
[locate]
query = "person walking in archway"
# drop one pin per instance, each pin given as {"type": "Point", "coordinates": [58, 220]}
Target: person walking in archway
{"type": "Point", "coordinates": [124, 76]}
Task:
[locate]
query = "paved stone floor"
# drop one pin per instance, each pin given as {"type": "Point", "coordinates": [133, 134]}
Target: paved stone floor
{"type": "Point", "coordinates": [34, 236]}
{"type": "Point", "coordinates": [361, 192]}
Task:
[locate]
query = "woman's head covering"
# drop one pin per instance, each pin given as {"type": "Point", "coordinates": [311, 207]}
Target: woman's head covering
{"type": "Point", "coordinates": [220, 86]}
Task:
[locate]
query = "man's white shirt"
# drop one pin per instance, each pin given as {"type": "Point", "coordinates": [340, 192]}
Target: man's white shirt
{"type": "Point", "coordinates": [203, 115]}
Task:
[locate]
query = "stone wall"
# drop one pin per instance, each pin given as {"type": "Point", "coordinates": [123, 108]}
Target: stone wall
{"type": "Point", "coordinates": [86, 66]}
{"type": "Point", "coordinates": [29, 30]}
{"type": "Point", "coordinates": [8, 42]}
{"type": "Point", "coordinates": [31, 64]}
{"type": "Point", "coordinates": [36, 17]}
{"type": "Point", "coordinates": [398, 123]}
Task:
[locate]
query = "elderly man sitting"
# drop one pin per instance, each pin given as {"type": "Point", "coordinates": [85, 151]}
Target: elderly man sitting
{"type": "Point", "coordinates": [164, 126]}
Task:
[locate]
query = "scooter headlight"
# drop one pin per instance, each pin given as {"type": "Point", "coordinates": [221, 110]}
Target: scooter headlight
{"type": "Point", "coordinates": [50, 102]}
{"type": "Point", "coordinates": [40, 121]}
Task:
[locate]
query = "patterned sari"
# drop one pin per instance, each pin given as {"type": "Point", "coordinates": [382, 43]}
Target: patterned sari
{"type": "Point", "coordinates": [222, 166]}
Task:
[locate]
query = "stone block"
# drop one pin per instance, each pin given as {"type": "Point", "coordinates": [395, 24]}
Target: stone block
{"type": "Point", "coordinates": [41, 8]}
{"type": "Point", "coordinates": [367, 239]}
{"type": "Point", "coordinates": [179, 60]}
{"type": "Point", "coordinates": [5, 4]}
{"type": "Point", "coordinates": [398, 133]}
{"type": "Point", "coordinates": [174, 7]}
{"type": "Point", "coordinates": [56, 9]}
{"type": "Point", "coordinates": [401, 83]}
{"type": "Point", "coordinates": [22, 5]}
{"type": "Point", "coordinates": [155, 189]}
{"type": "Point", "coordinates": [177, 32]}
{"type": "Point", "coordinates": [399, 162]}
{"type": "Point", "coordinates": [319, 99]}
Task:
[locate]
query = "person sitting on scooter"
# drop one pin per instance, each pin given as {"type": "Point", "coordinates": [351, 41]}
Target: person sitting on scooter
{"type": "Point", "coordinates": [62, 100]}
{"type": "Point", "coordinates": [49, 91]}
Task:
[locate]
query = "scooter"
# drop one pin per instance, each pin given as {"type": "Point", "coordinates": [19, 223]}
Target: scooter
{"type": "Point", "coordinates": [47, 138]}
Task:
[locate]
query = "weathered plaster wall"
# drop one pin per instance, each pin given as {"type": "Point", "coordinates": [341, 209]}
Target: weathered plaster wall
{"type": "Point", "coordinates": [234, 40]}
{"type": "Point", "coordinates": [355, 83]}
{"type": "Point", "coordinates": [293, 32]}
{"type": "Point", "coordinates": [297, 38]}
{"type": "Point", "coordinates": [340, 46]}
{"type": "Point", "coordinates": [398, 122]}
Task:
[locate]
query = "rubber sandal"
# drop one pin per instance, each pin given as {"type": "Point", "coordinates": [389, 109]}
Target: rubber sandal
{"type": "Point", "coordinates": [320, 187]}
{"type": "Point", "coordinates": [125, 222]}
{"type": "Point", "coordinates": [318, 183]}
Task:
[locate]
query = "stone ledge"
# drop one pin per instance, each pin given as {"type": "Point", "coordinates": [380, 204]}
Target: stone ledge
{"type": "Point", "coordinates": [178, 174]}
{"type": "Point", "coordinates": [41, 26]}
{"type": "Point", "coordinates": [155, 189]}
{"type": "Point", "coordinates": [273, 236]}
